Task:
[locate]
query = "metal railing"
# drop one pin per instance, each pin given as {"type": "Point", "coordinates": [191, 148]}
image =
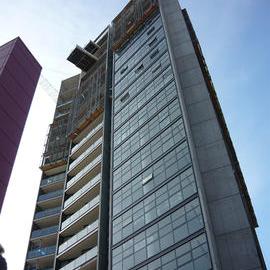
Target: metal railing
{"type": "Point", "coordinates": [85, 188]}
{"type": "Point", "coordinates": [85, 170]}
{"type": "Point", "coordinates": [48, 212]}
{"type": "Point", "coordinates": [50, 195]}
{"type": "Point", "coordinates": [53, 179]}
{"type": "Point", "coordinates": [62, 104]}
{"type": "Point", "coordinates": [44, 232]}
{"type": "Point", "coordinates": [77, 237]}
{"type": "Point", "coordinates": [92, 132]}
{"type": "Point", "coordinates": [86, 153]}
{"type": "Point", "coordinates": [80, 212]}
{"type": "Point", "coordinates": [87, 256]}
{"type": "Point", "coordinates": [42, 251]}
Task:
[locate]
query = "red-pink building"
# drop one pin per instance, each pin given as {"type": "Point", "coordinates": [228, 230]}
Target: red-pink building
{"type": "Point", "coordinates": [19, 74]}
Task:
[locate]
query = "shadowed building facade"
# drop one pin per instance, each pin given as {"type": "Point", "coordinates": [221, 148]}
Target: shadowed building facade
{"type": "Point", "coordinates": [143, 174]}
{"type": "Point", "coordinates": [19, 74]}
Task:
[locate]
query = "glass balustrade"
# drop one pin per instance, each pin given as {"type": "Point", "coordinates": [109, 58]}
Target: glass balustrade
{"type": "Point", "coordinates": [48, 212]}
{"type": "Point", "coordinates": [61, 114]}
{"type": "Point", "coordinates": [64, 104]}
{"type": "Point", "coordinates": [85, 188]}
{"type": "Point", "coordinates": [42, 251]}
{"type": "Point", "coordinates": [80, 212]}
{"type": "Point", "coordinates": [77, 237]}
{"type": "Point", "coordinates": [87, 256]}
{"type": "Point", "coordinates": [44, 232]}
{"type": "Point", "coordinates": [86, 169]}
{"type": "Point", "coordinates": [53, 179]}
{"type": "Point", "coordinates": [92, 132]}
{"type": "Point", "coordinates": [50, 195]}
{"type": "Point", "coordinates": [34, 268]}
{"type": "Point", "coordinates": [85, 154]}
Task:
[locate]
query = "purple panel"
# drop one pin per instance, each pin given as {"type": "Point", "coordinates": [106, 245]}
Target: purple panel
{"type": "Point", "coordinates": [5, 174]}
{"type": "Point", "coordinates": [11, 107]}
{"type": "Point", "coordinates": [11, 128]}
{"type": "Point", "coordinates": [3, 189]}
{"type": "Point", "coordinates": [19, 73]}
{"type": "Point", "coordinates": [21, 77]}
{"type": "Point", "coordinates": [14, 91]}
{"type": "Point", "coordinates": [26, 59]}
{"type": "Point", "coordinates": [8, 148]}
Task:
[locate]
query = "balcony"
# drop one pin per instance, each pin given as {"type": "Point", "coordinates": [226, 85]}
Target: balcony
{"type": "Point", "coordinates": [41, 252]}
{"type": "Point", "coordinates": [86, 192]}
{"type": "Point", "coordinates": [51, 195]}
{"type": "Point", "coordinates": [47, 213]}
{"type": "Point", "coordinates": [82, 260]}
{"type": "Point", "coordinates": [53, 179]}
{"type": "Point", "coordinates": [84, 171]}
{"type": "Point", "coordinates": [80, 213]}
{"type": "Point", "coordinates": [44, 232]}
{"type": "Point", "coordinates": [86, 154]}
{"type": "Point", "coordinates": [85, 233]}
{"type": "Point", "coordinates": [84, 142]}
{"type": "Point", "coordinates": [51, 199]}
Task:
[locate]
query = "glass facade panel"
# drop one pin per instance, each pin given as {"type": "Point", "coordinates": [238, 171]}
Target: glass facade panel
{"type": "Point", "coordinates": [155, 198]}
{"type": "Point", "coordinates": [168, 231]}
{"type": "Point", "coordinates": [193, 255]}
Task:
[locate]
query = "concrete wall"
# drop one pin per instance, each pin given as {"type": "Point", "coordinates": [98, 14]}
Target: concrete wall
{"type": "Point", "coordinates": [234, 243]}
{"type": "Point", "coordinates": [19, 73]}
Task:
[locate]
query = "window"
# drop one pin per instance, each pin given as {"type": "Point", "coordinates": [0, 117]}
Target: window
{"type": "Point", "coordinates": [125, 97]}
{"type": "Point", "coordinates": [139, 69]}
{"type": "Point", "coordinates": [152, 29]}
{"type": "Point", "coordinates": [154, 53]}
{"type": "Point", "coordinates": [123, 70]}
{"type": "Point", "coordinates": [147, 179]}
{"type": "Point", "coordinates": [156, 68]}
{"type": "Point", "coordinates": [152, 42]}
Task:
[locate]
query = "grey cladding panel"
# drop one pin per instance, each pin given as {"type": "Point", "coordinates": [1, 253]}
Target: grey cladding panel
{"type": "Point", "coordinates": [232, 233]}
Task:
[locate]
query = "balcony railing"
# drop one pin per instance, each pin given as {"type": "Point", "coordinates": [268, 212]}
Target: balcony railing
{"type": "Point", "coordinates": [39, 252]}
{"type": "Point", "coordinates": [85, 188]}
{"type": "Point", "coordinates": [53, 179]}
{"type": "Point", "coordinates": [57, 115]}
{"type": "Point", "coordinates": [77, 237]}
{"type": "Point", "coordinates": [92, 132]}
{"type": "Point", "coordinates": [87, 256]}
{"type": "Point", "coordinates": [85, 154]}
{"type": "Point", "coordinates": [80, 212]}
{"type": "Point", "coordinates": [44, 232]}
{"type": "Point", "coordinates": [50, 195]}
{"type": "Point", "coordinates": [34, 268]}
{"type": "Point", "coordinates": [64, 104]}
{"type": "Point", "coordinates": [85, 170]}
{"type": "Point", "coordinates": [48, 212]}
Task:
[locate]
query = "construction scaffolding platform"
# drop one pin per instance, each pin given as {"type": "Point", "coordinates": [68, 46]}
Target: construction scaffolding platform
{"type": "Point", "coordinates": [92, 47]}
{"type": "Point", "coordinates": [82, 58]}
{"type": "Point", "coordinates": [131, 19]}
{"type": "Point", "coordinates": [57, 144]}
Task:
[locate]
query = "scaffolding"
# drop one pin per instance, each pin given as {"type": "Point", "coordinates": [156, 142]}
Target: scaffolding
{"type": "Point", "coordinates": [57, 144]}
{"type": "Point", "coordinates": [131, 19]}
{"type": "Point", "coordinates": [89, 100]}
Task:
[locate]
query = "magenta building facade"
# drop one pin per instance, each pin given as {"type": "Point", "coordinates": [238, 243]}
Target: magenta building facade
{"type": "Point", "coordinates": [19, 74]}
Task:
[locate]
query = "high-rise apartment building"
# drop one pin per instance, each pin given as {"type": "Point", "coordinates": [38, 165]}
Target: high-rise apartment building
{"type": "Point", "coordinates": [19, 74]}
{"type": "Point", "coordinates": [139, 171]}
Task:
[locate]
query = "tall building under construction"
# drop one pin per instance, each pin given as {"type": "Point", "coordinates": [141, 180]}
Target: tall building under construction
{"type": "Point", "coordinates": [139, 171]}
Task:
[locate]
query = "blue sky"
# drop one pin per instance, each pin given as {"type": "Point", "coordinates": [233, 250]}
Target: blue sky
{"type": "Point", "coordinates": [234, 36]}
